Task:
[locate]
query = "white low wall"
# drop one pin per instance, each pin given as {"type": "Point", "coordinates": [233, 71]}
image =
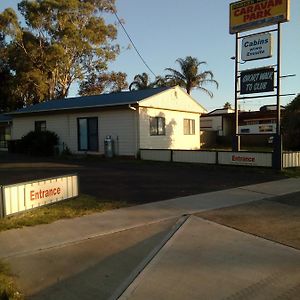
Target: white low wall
{"type": "Point", "coordinates": [27, 195]}
{"type": "Point", "coordinates": [156, 155]}
{"type": "Point", "coordinates": [291, 159]}
{"type": "Point", "coordinates": [202, 157]}
{"type": "Point", "coordinates": [209, 157]}
{"type": "Point", "coordinates": [245, 159]}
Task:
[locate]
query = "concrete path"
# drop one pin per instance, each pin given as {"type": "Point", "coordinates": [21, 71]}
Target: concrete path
{"type": "Point", "coordinates": [91, 269]}
{"type": "Point", "coordinates": [98, 256]}
{"type": "Point", "coordinates": [205, 260]}
{"type": "Point", "coordinates": [30, 239]}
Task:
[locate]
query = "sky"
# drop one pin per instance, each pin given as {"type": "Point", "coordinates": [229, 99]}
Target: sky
{"type": "Point", "coordinates": [164, 30]}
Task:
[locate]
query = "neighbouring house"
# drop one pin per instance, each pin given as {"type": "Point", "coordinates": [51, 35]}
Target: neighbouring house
{"type": "Point", "coordinates": [160, 118]}
{"type": "Point", "coordinates": [5, 131]}
{"type": "Point", "coordinates": [259, 122]}
{"type": "Point", "coordinates": [256, 128]}
{"type": "Point", "coordinates": [217, 127]}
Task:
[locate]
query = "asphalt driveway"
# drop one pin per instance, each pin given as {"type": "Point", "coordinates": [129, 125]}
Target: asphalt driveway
{"type": "Point", "coordinates": [131, 180]}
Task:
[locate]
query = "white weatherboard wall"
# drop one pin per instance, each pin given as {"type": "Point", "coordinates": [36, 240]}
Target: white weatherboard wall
{"type": "Point", "coordinates": [215, 121]}
{"type": "Point", "coordinates": [28, 195]}
{"type": "Point", "coordinates": [245, 159]}
{"type": "Point", "coordinates": [174, 137]}
{"type": "Point", "coordinates": [121, 124]}
{"type": "Point", "coordinates": [174, 105]}
{"type": "Point", "coordinates": [175, 99]}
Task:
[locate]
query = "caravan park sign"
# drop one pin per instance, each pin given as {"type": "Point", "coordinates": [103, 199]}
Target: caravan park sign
{"type": "Point", "coordinates": [250, 14]}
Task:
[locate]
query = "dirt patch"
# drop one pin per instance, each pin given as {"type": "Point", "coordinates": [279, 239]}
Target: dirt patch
{"type": "Point", "coordinates": [277, 219]}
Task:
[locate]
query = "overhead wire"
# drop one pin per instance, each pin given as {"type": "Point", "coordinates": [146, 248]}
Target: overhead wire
{"type": "Point", "coordinates": [133, 44]}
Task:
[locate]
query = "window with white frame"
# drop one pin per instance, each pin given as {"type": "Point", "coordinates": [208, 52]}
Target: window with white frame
{"type": "Point", "coordinates": [206, 123]}
{"type": "Point", "coordinates": [157, 126]}
{"type": "Point", "coordinates": [189, 127]}
{"type": "Point", "coordinates": [40, 126]}
{"type": "Point", "coordinates": [88, 134]}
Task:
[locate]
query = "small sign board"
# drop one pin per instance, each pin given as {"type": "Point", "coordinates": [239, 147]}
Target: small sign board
{"type": "Point", "coordinates": [257, 46]}
{"type": "Point", "coordinates": [259, 80]}
{"type": "Point", "coordinates": [27, 195]}
{"type": "Point", "coordinates": [245, 159]}
{"type": "Point", "coordinates": [251, 14]}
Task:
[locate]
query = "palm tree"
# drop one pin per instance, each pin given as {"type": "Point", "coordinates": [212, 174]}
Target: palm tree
{"type": "Point", "coordinates": [227, 105]}
{"type": "Point", "coordinates": [189, 76]}
{"type": "Point", "coordinates": [140, 82]}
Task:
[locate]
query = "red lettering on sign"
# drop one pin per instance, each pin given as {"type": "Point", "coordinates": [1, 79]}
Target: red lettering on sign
{"type": "Point", "coordinates": [257, 11]}
{"type": "Point", "coordinates": [41, 194]}
{"type": "Point", "coordinates": [243, 158]}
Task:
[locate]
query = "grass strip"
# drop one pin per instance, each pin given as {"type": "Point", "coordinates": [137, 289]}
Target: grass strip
{"type": "Point", "coordinates": [292, 172]}
{"type": "Point", "coordinates": [71, 208]}
{"type": "Point", "coordinates": [8, 289]}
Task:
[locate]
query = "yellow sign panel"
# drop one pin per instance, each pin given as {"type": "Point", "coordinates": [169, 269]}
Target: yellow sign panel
{"type": "Point", "coordinates": [251, 14]}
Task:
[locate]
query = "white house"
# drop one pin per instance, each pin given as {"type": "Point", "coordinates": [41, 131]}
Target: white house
{"type": "Point", "coordinates": [5, 131]}
{"type": "Point", "coordinates": [218, 120]}
{"type": "Point", "coordinates": [161, 118]}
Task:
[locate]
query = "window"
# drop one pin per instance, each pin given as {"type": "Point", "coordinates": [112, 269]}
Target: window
{"type": "Point", "coordinates": [40, 126]}
{"type": "Point", "coordinates": [188, 127]}
{"type": "Point", "coordinates": [88, 134]}
{"type": "Point", "coordinates": [266, 128]}
{"type": "Point", "coordinates": [245, 130]}
{"type": "Point", "coordinates": [205, 123]}
{"type": "Point", "coordinates": [157, 126]}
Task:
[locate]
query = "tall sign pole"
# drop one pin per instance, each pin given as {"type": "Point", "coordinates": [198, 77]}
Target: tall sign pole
{"type": "Point", "coordinates": [277, 163]}
{"type": "Point", "coordinates": [236, 138]}
{"type": "Point", "coordinates": [248, 15]}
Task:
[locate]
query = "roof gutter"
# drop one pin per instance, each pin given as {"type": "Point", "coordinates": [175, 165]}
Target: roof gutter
{"type": "Point", "coordinates": [70, 108]}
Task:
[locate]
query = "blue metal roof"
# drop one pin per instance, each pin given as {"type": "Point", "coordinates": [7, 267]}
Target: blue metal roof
{"type": "Point", "coordinates": [103, 100]}
{"type": "Point", "coordinates": [5, 118]}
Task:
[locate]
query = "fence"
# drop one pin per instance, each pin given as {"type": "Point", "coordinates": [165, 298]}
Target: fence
{"type": "Point", "coordinates": [291, 159]}
{"type": "Point", "coordinates": [27, 195]}
{"type": "Point", "coordinates": [257, 159]}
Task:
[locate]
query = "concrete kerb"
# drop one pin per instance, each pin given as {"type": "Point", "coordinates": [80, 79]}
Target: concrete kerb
{"type": "Point", "coordinates": [136, 272]}
{"type": "Point", "coordinates": [20, 242]}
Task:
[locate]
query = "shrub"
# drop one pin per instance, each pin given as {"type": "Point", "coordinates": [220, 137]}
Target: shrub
{"type": "Point", "coordinates": [39, 143]}
{"type": "Point", "coordinates": [291, 125]}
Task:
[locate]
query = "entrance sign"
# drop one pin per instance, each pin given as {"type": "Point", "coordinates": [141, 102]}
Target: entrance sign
{"type": "Point", "coordinates": [257, 81]}
{"type": "Point", "coordinates": [251, 14]}
{"type": "Point", "coordinates": [257, 46]}
{"type": "Point", "coordinates": [245, 159]}
{"type": "Point", "coordinates": [27, 195]}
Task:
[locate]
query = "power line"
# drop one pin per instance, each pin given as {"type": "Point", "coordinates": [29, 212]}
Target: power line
{"type": "Point", "coordinates": [135, 48]}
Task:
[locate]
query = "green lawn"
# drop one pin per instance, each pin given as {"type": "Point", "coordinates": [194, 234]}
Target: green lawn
{"type": "Point", "coordinates": [76, 207]}
{"type": "Point", "coordinates": [8, 289]}
{"type": "Point", "coordinates": [292, 172]}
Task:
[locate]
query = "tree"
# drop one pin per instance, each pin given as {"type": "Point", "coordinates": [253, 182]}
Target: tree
{"type": "Point", "coordinates": [106, 82]}
{"type": "Point", "coordinates": [227, 105]}
{"type": "Point", "coordinates": [5, 76]}
{"type": "Point", "coordinates": [140, 82]}
{"type": "Point", "coordinates": [291, 125]}
{"type": "Point", "coordinates": [64, 41]}
{"type": "Point", "coordinates": [189, 76]}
